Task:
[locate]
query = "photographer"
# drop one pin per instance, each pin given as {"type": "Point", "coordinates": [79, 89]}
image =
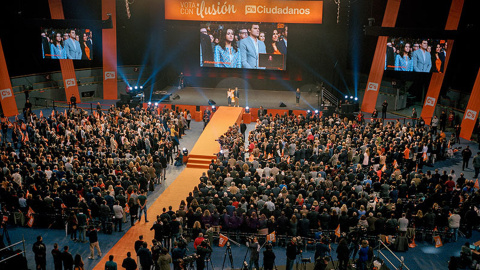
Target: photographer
{"type": "Point", "coordinates": [203, 250]}
{"type": "Point", "coordinates": [178, 253]}
{"type": "Point", "coordinates": [254, 248]}
{"type": "Point", "coordinates": [343, 254]}
{"type": "Point", "coordinates": [268, 257]}
{"type": "Point", "coordinates": [322, 248]}
{"type": "Point", "coordinates": [292, 251]}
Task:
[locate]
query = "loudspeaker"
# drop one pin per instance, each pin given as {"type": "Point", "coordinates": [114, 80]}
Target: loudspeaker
{"type": "Point", "coordinates": [197, 108]}
{"type": "Point", "coordinates": [175, 97]}
{"type": "Point", "coordinates": [282, 104]}
{"type": "Point", "coordinates": [125, 98]}
{"type": "Point", "coordinates": [290, 112]}
{"type": "Point", "coordinates": [211, 102]}
{"type": "Point", "coordinates": [349, 108]}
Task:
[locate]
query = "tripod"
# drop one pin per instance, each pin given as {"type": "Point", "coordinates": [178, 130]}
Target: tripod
{"type": "Point", "coordinates": [208, 260]}
{"type": "Point", "coordinates": [228, 252]}
{"type": "Point", "coordinates": [245, 264]}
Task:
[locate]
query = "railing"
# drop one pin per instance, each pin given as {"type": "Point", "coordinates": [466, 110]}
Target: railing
{"type": "Point", "coordinates": [328, 96]}
{"type": "Point", "coordinates": [16, 254]}
{"type": "Point", "coordinates": [381, 255]}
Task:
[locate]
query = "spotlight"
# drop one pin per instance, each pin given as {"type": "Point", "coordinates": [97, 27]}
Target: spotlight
{"type": "Point", "coordinates": [149, 103]}
{"type": "Point", "coordinates": [247, 109]}
{"type": "Point", "coordinates": [346, 97]}
{"type": "Point", "coordinates": [356, 98]}
{"type": "Point", "coordinates": [316, 111]}
{"type": "Point", "coordinates": [214, 109]}
{"type": "Point", "coordinates": [185, 151]}
{"type": "Point", "coordinates": [156, 104]}
{"type": "Point", "coordinates": [351, 97]}
{"type": "Point", "coordinates": [131, 88]}
{"type": "Point", "coordinates": [308, 111]}
{"type": "Point", "coordinates": [141, 86]}
{"type": "Point", "coordinates": [136, 87]}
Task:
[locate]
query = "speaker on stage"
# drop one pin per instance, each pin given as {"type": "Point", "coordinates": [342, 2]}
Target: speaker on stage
{"type": "Point", "coordinates": [211, 102]}
{"type": "Point", "coordinates": [282, 104]}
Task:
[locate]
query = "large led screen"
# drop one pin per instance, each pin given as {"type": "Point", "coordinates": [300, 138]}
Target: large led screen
{"type": "Point", "coordinates": [73, 43]}
{"type": "Point", "coordinates": [244, 45]}
{"type": "Point", "coordinates": [415, 55]}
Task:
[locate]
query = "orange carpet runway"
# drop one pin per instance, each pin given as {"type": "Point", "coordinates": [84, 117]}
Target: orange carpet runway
{"type": "Point", "coordinates": [204, 149]}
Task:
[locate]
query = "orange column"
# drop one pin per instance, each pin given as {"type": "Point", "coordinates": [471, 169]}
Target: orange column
{"type": "Point", "coordinates": [109, 51]}
{"type": "Point", "coordinates": [437, 78]}
{"type": "Point", "coordinates": [471, 112]}
{"type": "Point", "coordinates": [9, 105]}
{"type": "Point", "coordinates": [378, 64]}
{"type": "Point", "coordinates": [66, 65]}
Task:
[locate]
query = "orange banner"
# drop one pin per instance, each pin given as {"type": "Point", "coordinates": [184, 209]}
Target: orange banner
{"type": "Point", "coordinates": [66, 65]}
{"type": "Point", "coordinates": [437, 78]}
{"type": "Point", "coordinates": [245, 11]}
{"type": "Point", "coordinates": [378, 64]}
{"type": "Point", "coordinates": [471, 112]}
{"type": "Point", "coordinates": [109, 52]}
{"type": "Point", "coordinates": [9, 105]}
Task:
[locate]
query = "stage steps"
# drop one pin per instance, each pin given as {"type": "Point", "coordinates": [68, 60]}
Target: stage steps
{"type": "Point", "coordinates": [200, 162]}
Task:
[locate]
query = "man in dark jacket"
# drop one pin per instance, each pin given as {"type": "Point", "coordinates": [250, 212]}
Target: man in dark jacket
{"type": "Point", "coordinates": [40, 251]}
{"type": "Point", "coordinates": [67, 259]}
{"type": "Point", "coordinates": [57, 257]}
{"type": "Point", "coordinates": [145, 256]}
{"type": "Point", "coordinates": [129, 263]}
{"type": "Point", "coordinates": [292, 251]}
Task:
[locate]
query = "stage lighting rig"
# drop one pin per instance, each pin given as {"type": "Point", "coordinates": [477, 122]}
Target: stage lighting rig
{"type": "Point", "coordinates": [247, 109]}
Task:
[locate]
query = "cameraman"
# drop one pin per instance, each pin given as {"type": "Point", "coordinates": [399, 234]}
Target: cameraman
{"type": "Point", "coordinates": [292, 251]}
{"type": "Point", "coordinates": [254, 247]}
{"type": "Point", "coordinates": [268, 257]}
{"type": "Point", "coordinates": [203, 250]}
{"type": "Point", "coordinates": [322, 248]}
{"type": "Point", "coordinates": [178, 253]}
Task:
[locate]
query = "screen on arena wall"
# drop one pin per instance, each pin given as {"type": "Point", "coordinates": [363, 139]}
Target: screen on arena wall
{"type": "Point", "coordinates": [72, 43]}
{"type": "Point", "coordinates": [416, 55]}
{"type": "Point", "coordinates": [243, 45]}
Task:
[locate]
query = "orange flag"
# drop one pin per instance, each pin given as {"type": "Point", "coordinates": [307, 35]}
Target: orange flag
{"type": "Point", "coordinates": [30, 212]}
{"type": "Point", "coordinates": [412, 245]}
{"type": "Point", "coordinates": [271, 237]}
{"type": "Point", "coordinates": [127, 208]}
{"type": "Point", "coordinates": [337, 231]}
{"type": "Point", "coordinates": [476, 185]}
{"type": "Point", "coordinates": [30, 221]}
{"type": "Point", "coordinates": [41, 114]}
{"type": "Point", "coordinates": [222, 241]}
{"type": "Point", "coordinates": [438, 241]}
{"type": "Point", "coordinates": [395, 163]}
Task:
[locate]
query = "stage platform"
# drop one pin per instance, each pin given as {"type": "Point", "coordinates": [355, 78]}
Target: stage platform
{"type": "Point", "coordinates": [269, 99]}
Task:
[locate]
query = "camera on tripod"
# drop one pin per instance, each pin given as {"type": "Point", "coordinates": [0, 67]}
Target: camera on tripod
{"type": "Point", "coordinates": [306, 260]}
{"type": "Point", "coordinates": [191, 258]}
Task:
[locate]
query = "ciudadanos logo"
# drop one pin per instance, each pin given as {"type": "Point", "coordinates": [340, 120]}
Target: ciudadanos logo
{"type": "Point", "coordinates": [263, 9]}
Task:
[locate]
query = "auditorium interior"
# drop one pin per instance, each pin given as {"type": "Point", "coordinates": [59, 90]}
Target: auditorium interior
{"type": "Point", "coordinates": [360, 125]}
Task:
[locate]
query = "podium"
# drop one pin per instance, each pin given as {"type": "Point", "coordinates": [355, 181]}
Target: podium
{"type": "Point", "coordinates": [247, 118]}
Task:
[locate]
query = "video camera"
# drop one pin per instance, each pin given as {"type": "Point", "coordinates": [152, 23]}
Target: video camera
{"type": "Point", "coordinates": [191, 258]}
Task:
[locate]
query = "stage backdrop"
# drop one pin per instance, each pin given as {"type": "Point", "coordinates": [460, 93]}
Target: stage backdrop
{"type": "Point", "coordinates": [245, 11]}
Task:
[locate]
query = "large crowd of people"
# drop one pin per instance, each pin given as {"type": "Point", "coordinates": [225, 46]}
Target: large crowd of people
{"type": "Point", "coordinates": [300, 175]}
{"type": "Point", "coordinates": [292, 175]}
